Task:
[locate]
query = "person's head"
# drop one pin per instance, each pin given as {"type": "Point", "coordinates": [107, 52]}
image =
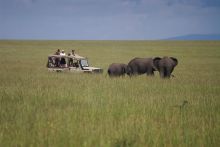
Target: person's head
{"type": "Point", "coordinates": [57, 52]}
{"type": "Point", "coordinates": [73, 51]}
{"type": "Point", "coordinates": [62, 51]}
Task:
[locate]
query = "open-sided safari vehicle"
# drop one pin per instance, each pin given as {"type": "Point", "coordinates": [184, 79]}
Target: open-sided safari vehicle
{"type": "Point", "coordinates": [70, 63]}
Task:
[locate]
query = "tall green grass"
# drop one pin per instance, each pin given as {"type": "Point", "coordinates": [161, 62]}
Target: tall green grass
{"type": "Point", "coordinates": [40, 108]}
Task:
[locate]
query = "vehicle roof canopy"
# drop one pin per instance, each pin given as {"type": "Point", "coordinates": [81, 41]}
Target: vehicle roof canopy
{"type": "Point", "coordinates": [76, 56]}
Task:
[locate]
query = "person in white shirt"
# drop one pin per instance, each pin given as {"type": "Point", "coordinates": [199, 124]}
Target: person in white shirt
{"type": "Point", "coordinates": [62, 53]}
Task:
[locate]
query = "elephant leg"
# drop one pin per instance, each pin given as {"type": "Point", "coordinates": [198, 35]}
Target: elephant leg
{"type": "Point", "coordinates": [171, 75]}
{"type": "Point", "coordinates": [165, 73]}
{"type": "Point", "coordinates": [111, 73]}
{"type": "Point", "coordinates": [150, 72]}
{"type": "Point", "coordinates": [168, 72]}
{"type": "Point", "coordinates": [134, 71]}
{"type": "Point", "coordinates": [162, 74]}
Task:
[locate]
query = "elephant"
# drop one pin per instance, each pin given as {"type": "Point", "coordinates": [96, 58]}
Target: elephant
{"type": "Point", "coordinates": [139, 66]}
{"type": "Point", "coordinates": [117, 69]}
{"type": "Point", "coordinates": [165, 65]}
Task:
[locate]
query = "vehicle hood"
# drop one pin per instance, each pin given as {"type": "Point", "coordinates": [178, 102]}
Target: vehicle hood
{"type": "Point", "coordinates": [91, 68]}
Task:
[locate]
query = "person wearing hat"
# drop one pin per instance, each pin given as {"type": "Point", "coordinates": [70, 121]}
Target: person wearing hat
{"type": "Point", "coordinates": [62, 53]}
{"type": "Point", "coordinates": [73, 52]}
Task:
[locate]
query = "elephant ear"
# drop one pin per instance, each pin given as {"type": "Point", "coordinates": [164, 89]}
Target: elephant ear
{"type": "Point", "coordinates": [156, 62]}
{"type": "Point", "coordinates": [174, 60]}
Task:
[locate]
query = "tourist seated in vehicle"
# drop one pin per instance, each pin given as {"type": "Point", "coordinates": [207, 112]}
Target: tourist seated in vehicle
{"type": "Point", "coordinates": [63, 62]}
{"type": "Point", "coordinates": [75, 64]}
{"type": "Point", "coordinates": [57, 62]}
{"type": "Point", "coordinates": [73, 52]}
{"type": "Point", "coordinates": [70, 60]}
{"type": "Point", "coordinates": [56, 59]}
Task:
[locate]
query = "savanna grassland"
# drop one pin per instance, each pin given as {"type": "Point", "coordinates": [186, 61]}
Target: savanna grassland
{"type": "Point", "coordinates": [40, 108]}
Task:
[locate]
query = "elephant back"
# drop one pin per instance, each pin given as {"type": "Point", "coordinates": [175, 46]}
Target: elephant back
{"type": "Point", "coordinates": [140, 65]}
{"type": "Point", "coordinates": [117, 69]}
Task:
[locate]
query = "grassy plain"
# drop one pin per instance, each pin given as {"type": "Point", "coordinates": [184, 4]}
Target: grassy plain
{"type": "Point", "coordinates": [39, 108]}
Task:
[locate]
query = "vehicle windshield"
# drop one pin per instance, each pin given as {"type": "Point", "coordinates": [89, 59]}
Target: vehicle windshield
{"type": "Point", "coordinates": [84, 63]}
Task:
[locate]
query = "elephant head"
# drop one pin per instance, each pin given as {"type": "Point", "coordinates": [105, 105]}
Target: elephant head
{"type": "Point", "coordinates": [165, 65]}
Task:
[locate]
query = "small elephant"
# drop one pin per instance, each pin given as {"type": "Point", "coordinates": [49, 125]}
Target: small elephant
{"type": "Point", "coordinates": [165, 65]}
{"type": "Point", "coordinates": [139, 66]}
{"type": "Point", "coordinates": [117, 69]}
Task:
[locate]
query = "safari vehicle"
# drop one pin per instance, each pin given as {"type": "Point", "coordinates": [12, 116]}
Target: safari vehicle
{"type": "Point", "coordinates": [70, 63]}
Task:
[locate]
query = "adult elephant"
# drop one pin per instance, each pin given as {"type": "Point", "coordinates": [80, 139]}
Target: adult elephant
{"type": "Point", "coordinates": [139, 66]}
{"type": "Point", "coordinates": [165, 65]}
{"type": "Point", "coordinates": [117, 69]}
